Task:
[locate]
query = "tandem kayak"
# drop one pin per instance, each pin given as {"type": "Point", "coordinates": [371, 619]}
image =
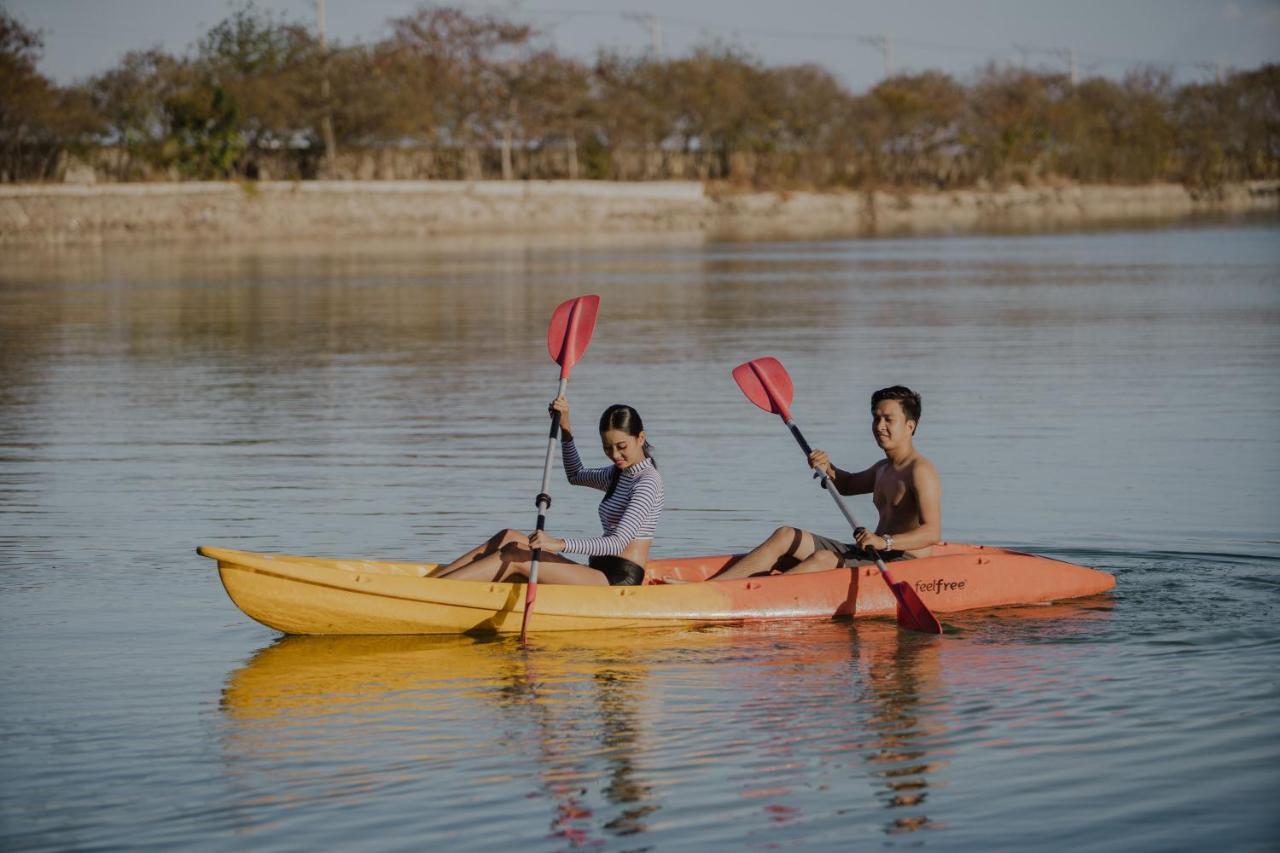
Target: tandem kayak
{"type": "Point", "coordinates": [317, 595]}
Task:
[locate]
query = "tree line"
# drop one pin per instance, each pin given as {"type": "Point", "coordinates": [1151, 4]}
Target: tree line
{"type": "Point", "coordinates": [453, 94]}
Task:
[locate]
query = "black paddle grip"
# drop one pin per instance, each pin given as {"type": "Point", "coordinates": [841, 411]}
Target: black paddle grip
{"type": "Point", "coordinates": [542, 524]}
{"type": "Point", "coordinates": [804, 445]}
{"type": "Point", "coordinates": [555, 424]}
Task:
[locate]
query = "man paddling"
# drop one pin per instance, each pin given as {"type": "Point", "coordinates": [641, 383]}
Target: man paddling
{"type": "Point", "coordinates": [904, 486]}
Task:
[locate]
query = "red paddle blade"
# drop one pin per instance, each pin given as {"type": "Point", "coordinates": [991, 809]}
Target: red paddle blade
{"type": "Point", "coordinates": [914, 614]}
{"type": "Point", "coordinates": [766, 383]}
{"type": "Point", "coordinates": [570, 331]}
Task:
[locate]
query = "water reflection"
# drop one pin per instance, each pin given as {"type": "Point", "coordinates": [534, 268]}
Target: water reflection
{"type": "Point", "coordinates": [305, 701]}
{"type": "Point", "coordinates": [909, 684]}
{"type": "Point", "coordinates": [586, 728]}
{"type": "Point", "coordinates": [571, 750]}
{"type": "Point", "coordinates": [600, 735]}
{"type": "Point", "coordinates": [900, 680]}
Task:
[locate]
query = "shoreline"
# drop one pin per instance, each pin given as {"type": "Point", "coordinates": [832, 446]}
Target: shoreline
{"type": "Point", "coordinates": [35, 215]}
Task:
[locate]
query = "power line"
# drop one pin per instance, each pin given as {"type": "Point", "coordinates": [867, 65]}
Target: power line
{"type": "Point", "coordinates": [885, 43]}
{"type": "Point", "coordinates": [882, 41]}
{"type": "Point", "coordinates": [654, 24]}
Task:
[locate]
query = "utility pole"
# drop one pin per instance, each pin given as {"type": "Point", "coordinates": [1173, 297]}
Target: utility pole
{"type": "Point", "coordinates": [885, 46]}
{"type": "Point", "coordinates": [1069, 54]}
{"type": "Point", "coordinates": [1219, 70]}
{"type": "Point", "coordinates": [326, 119]}
{"type": "Point", "coordinates": [654, 25]}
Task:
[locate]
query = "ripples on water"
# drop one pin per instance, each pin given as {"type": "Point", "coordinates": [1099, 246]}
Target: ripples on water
{"type": "Point", "coordinates": [1107, 398]}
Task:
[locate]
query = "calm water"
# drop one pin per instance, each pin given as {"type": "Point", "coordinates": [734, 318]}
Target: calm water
{"type": "Point", "coordinates": [1109, 398]}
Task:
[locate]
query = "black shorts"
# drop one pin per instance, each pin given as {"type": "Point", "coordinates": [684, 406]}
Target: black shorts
{"type": "Point", "coordinates": [849, 554]}
{"type": "Point", "coordinates": [619, 570]}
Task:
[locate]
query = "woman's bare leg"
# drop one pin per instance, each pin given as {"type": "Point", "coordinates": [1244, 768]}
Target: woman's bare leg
{"type": "Point", "coordinates": [489, 546]}
{"type": "Point", "coordinates": [512, 563]}
{"type": "Point", "coordinates": [784, 548]}
{"type": "Point", "coordinates": [569, 572]}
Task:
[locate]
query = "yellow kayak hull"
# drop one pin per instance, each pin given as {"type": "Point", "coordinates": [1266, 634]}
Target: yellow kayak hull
{"type": "Point", "coordinates": [316, 595]}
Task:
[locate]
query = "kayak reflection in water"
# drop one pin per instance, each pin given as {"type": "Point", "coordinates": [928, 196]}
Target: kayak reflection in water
{"type": "Point", "coordinates": [904, 486]}
{"type": "Point", "coordinates": [633, 499]}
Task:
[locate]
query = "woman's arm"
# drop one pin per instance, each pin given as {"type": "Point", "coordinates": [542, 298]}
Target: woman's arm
{"type": "Point", "coordinates": [643, 508]}
{"type": "Point", "coordinates": [596, 478]}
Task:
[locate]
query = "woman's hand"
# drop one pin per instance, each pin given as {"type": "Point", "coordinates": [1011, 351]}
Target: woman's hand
{"type": "Point", "coordinates": [819, 461]}
{"type": "Point", "coordinates": [865, 537]}
{"type": "Point", "coordinates": [561, 405]}
{"type": "Point", "coordinates": [542, 542]}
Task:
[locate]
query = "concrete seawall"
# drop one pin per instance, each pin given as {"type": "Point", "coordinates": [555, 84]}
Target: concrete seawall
{"type": "Point", "coordinates": [113, 213]}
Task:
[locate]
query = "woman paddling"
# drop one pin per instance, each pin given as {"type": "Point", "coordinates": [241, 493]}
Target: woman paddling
{"type": "Point", "coordinates": [633, 499]}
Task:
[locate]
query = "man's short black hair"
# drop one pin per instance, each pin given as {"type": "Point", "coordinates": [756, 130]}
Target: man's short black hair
{"type": "Point", "coordinates": [909, 400]}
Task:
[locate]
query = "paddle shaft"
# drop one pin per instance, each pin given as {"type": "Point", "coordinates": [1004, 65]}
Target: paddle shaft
{"type": "Point", "coordinates": [831, 489]}
{"type": "Point", "coordinates": [544, 503]}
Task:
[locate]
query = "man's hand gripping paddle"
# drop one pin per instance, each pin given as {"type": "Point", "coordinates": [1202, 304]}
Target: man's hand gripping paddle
{"type": "Point", "coordinates": [567, 339]}
{"type": "Point", "coordinates": [766, 383]}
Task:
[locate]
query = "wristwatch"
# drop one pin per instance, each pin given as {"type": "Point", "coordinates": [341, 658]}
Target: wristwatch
{"type": "Point", "coordinates": [888, 541]}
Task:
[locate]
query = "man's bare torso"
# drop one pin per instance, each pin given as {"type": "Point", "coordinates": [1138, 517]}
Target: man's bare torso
{"type": "Point", "coordinates": [896, 499]}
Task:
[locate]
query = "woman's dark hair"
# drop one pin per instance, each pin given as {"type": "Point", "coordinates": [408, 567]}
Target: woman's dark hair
{"type": "Point", "coordinates": [623, 418]}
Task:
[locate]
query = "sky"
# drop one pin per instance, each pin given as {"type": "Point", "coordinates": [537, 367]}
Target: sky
{"type": "Point", "coordinates": [1192, 38]}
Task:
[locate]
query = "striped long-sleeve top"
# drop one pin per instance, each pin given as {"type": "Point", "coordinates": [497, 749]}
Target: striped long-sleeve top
{"type": "Point", "coordinates": [630, 513]}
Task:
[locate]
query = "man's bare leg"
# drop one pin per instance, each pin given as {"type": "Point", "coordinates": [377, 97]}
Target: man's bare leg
{"type": "Point", "coordinates": [818, 561]}
{"type": "Point", "coordinates": [784, 548]}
